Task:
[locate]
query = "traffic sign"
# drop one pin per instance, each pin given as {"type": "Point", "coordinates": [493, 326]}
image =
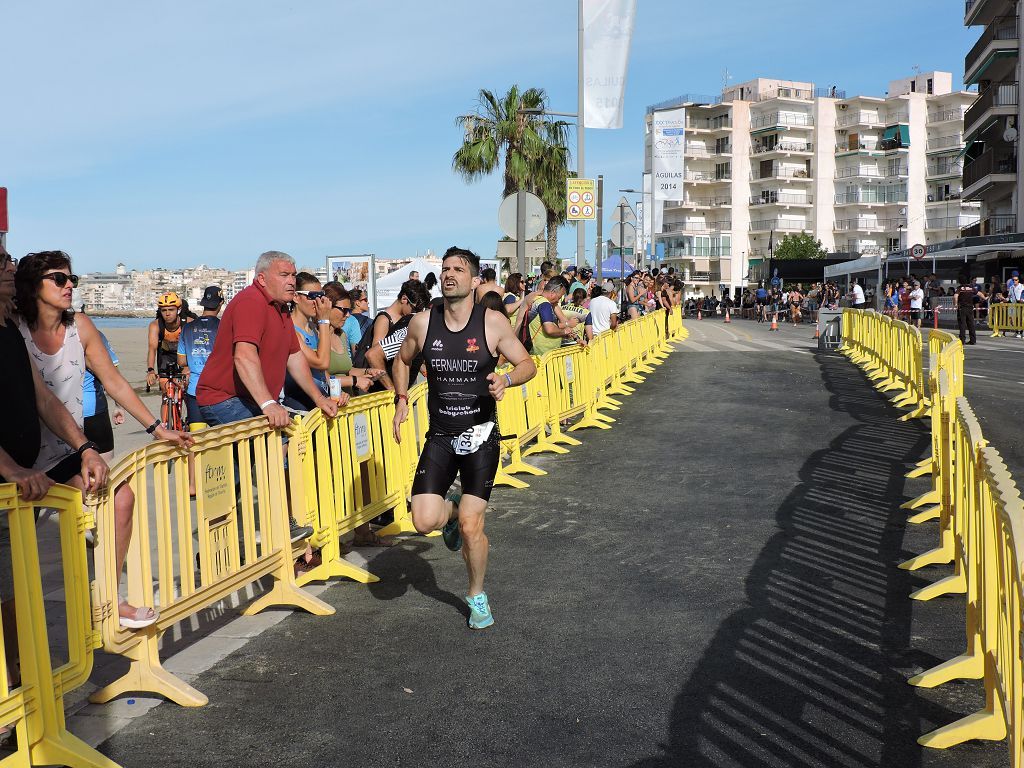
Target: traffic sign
{"type": "Point", "coordinates": [918, 251]}
{"type": "Point", "coordinates": [623, 235]}
{"type": "Point", "coordinates": [580, 199]}
{"type": "Point", "coordinates": [535, 212]}
{"type": "Point", "coordinates": [624, 212]}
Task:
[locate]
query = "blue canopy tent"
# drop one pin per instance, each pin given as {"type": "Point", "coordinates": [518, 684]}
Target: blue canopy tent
{"type": "Point", "coordinates": [612, 267]}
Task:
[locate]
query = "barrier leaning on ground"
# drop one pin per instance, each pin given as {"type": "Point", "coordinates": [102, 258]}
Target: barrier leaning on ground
{"type": "Point", "coordinates": [981, 534]}
{"type": "Point", "coordinates": [189, 553]}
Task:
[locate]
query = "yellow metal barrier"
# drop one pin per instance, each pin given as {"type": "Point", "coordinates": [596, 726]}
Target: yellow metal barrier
{"type": "Point", "coordinates": [240, 518]}
{"type": "Point", "coordinates": [1006, 318]}
{"type": "Point", "coordinates": [981, 525]}
{"type": "Point", "coordinates": [33, 705]}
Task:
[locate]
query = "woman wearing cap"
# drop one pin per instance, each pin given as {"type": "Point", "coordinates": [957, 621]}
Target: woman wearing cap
{"type": "Point", "coordinates": [64, 345]}
{"type": "Point", "coordinates": [163, 339]}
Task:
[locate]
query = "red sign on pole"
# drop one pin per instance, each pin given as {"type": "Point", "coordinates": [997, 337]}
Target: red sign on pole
{"type": "Point", "coordinates": [3, 210]}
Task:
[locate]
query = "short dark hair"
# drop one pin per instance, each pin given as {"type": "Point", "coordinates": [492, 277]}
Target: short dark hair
{"type": "Point", "coordinates": [26, 283]}
{"type": "Point", "coordinates": [466, 255]}
{"type": "Point", "coordinates": [305, 278]}
{"type": "Point", "coordinates": [415, 293]}
{"type": "Point", "coordinates": [556, 283]}
{"type": "Point", "coordinates": [488, 274]}
{"type": "Point", "coordinates": [546, 266]}
{"type": "Point", "coordinates": [335, 291]}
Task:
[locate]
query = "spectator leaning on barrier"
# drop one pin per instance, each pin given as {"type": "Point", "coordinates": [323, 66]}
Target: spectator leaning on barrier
{"type": "Point", "coordinates": [1015, 295]}
{"type": "Point", "coordinates": [63, 345]}
{"type": "Point", "coordinates": [462, 438]}
{"type": "Point", "coordinates": [255, 346]}
{"type": "Point", "coordinates": [311, 320]}
{"type": "Point", "coordinates": [412, 298]}
{"type": "Point", "coordinates": [195, 345]}
{"type": "Point", "coordinates": [545, 328]}
{"type": "Point", "coordinates": [357, 380]}
{"type": "Point", "coordinates": [603, 311]}
{"type": "Point", "coordinates": [583, 332]}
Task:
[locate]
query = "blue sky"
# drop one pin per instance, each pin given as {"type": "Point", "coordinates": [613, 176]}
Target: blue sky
{"type": "Point", "coordinates": [183, 133]}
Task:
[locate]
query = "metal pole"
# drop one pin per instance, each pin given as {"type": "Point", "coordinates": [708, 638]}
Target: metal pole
{"type": "Point", "coordinates": [622, 251]}
{"type": "Point", "coordinates": [581, 226]}
{"type": "Point", "coordinates": [599, 247]}
{"type": "Point", "coordinates": [520, 233]}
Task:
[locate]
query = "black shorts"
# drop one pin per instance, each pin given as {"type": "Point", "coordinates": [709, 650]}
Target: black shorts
{"type": "Point", "coordinates": [97, 429]}
{"type": "Point", "coordinates": [439, 463]}
{"type": "Point", "coordinates": [65, 469]}
{"type": "Point", "coordinates": [916, 314]}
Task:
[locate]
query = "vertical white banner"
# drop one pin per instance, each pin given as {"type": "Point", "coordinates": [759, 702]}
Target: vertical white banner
{"type": "Point", "coordinates": [649, 215]}
{"type": "Point", "coordinates": [607, 32]}
{"type": "Point", "coordinates": [668, 141]}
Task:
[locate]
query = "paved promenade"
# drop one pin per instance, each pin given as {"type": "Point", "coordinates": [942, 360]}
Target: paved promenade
{"type": "Point", "coordinates": [713, 582]}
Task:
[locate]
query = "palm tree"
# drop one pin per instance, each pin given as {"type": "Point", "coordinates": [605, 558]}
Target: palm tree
{"type": "Point", "coordinates": [531, 150]}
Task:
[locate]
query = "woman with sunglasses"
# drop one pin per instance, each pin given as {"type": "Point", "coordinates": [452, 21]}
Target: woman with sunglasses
{"type": "Point", "coordinates": [358, 379]}
{"type": "Point", "coordinates": [62, 346]}
{"type": "Point", "coordinates": [311, 319]}
{"type": "Point", "coordinates": [359, 320]}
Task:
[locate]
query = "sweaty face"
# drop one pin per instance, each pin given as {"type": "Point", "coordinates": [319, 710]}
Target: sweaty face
{"type": "Point", "coordinates": [279, 281]}
{"type": "Point", "coordinates": [456, 280]}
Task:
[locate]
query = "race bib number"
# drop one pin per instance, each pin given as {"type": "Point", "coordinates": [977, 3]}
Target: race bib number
{"type": "Point", "coordinates": [471, 440]}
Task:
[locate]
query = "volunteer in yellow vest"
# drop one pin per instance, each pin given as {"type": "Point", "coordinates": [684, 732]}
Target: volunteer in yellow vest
{"type": "Point", "coordinates": [546, 330]}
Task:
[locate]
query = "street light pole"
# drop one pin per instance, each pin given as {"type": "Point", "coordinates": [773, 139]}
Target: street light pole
{"type": "Point", "coordinates": [581, 227]}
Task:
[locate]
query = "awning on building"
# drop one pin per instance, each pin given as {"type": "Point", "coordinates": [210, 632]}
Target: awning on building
{"type": "Point", "coordinates": [967, 146]}
{"type": "Point", "coordinates": [903, 131]}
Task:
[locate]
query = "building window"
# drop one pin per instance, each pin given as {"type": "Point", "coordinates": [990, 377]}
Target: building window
{"type": "Point", "coordinates": [913, 86]}
{"type": "Point", "coordinates": [722, 171]}
{"type": "Point", "coordinates": [930, 85]}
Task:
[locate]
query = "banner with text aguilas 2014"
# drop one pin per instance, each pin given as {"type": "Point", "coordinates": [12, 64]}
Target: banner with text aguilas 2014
{"type": "Point", "coordinates": [668, 140]}
{"type": "Point", "coordinates": [607, 33]}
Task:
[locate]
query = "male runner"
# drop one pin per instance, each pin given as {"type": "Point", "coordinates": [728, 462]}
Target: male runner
{"type": "Point", "coordinates": [460, 342]}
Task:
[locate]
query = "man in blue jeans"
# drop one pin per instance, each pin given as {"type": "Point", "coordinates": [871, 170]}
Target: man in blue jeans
{"type": "Point", "coordinates": [255, 345]}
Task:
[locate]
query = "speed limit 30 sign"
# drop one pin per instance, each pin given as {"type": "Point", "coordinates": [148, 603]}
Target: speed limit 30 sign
{"type": "Point", "coordinates": [918, 251]}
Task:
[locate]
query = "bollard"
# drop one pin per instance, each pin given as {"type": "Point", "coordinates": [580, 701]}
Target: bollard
{"type": "Point", "coordinates": [727, 315]}
{"type": "Point", "coordinates": [935, 318]}
{"type": "Point", "coordinates": [775, 322]}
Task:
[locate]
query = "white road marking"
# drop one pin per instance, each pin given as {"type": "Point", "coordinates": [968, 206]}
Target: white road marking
{"type": "Point", "coordinates": [975, 376]}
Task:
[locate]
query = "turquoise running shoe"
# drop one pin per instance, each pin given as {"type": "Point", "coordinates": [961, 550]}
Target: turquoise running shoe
{"type": "Point", "coordinates": [479, 611]}
{"type": "Point", "coordinates": [451, 533]}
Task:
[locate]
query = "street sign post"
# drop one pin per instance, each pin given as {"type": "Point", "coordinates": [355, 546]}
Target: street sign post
{"type": "Point", "coordinates": [580, 199]}
{"type": "Point", "coordinates": [522, 216]}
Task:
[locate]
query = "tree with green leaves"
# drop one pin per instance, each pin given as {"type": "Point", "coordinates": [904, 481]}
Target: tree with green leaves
{"type": "Point", "coordinates": [799, 245]}
{"type": "Point", "coordinates": [531, 150]}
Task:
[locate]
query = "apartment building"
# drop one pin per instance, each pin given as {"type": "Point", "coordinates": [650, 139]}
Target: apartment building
{"type": "Point", "coordinates": [865, 175]}
{"type": "Point", "coordinates": [991, 172]}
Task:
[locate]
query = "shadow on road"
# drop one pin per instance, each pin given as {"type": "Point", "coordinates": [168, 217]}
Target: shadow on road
{"type": "Point", "coordinates": [812, 672]}
{"type": "Point", "coordinates": [402, 567]}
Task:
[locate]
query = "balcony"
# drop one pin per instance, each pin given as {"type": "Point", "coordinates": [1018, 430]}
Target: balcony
{"type": "Point", "coordinates": [697, 226]}
{"type": "Point", "coordinates": [861, 146]}
{"type": "Point", "coordinates": [781, 120]}
{"type": "Point", "coordinates": [859, 119]}
{"type": "Point", "coordinates": [699, 202]}
{"type": "Point", "coordinates": [1000, 40]}
{"type": "Point", "coordinates": [786, 93]}
{"type": "Point", "coordinates": [940, 170]}
{"type": "Point", "coordinates": [709, 124]}
{"type": "Point", "coordinates": [1001, 224]}
{"type": "Point", "coordinates": [997, 99]}
{"type": "Point", "coordinates": [943, 223]}
{"type": "Point", "coordinates": [979, 12]}
{"type": "Point", "coordinates": [781, 173]}
{"type": "Point", "coordinates": [945, 116]}
{"type": "Point", "coordinates": [859, 172]}
{"type": "Point", "coordinates": [869, 225]}
{"type": "Point", "coordinates": [871, 196]}
{"type": "Point", "coordinates": [989, 169]}
{"type": "Point", "coordinates": [781, 198]}
{"type": "Point", "coordinates": [945, 143]}
{"type": "Point", "coordinates": [893, 118]}
{"type": "Point", "coordinates": [698, 252]}
{"type": "Point", "coordinates": [706, 176]}
{"type": "Point", "coordinates": [783, 147]}
{"type": "Point", "coordinates": [770, 225]}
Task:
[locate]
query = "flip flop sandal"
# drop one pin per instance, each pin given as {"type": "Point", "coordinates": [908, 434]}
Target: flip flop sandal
{"type": "Point", "coordinates": [140, 620]}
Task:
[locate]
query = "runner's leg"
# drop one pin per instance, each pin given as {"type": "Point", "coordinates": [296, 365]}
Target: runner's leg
{"type": "Point", "coordinates": [475, 545]}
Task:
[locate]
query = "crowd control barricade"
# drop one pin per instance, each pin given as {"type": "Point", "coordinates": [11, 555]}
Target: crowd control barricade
{"type": "Point", "coordinates": [31, 695]}
{"type": "Point", "coordinates": [188, 554]}
{"type": "Point", "coordinates": [1006, 318]}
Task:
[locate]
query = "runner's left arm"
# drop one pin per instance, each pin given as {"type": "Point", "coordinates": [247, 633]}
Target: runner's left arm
{"type": "Point", "coordinates": [508, 345]}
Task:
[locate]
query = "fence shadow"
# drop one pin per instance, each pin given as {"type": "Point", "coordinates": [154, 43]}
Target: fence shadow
{"type": "Point", "coordinates": [812, 672]}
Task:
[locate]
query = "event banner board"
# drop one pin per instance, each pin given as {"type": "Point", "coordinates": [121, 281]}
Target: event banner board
{"type": "Point", "coordinates": [580, 199]}
{"type": "Point", "coordinates": [668, 141]}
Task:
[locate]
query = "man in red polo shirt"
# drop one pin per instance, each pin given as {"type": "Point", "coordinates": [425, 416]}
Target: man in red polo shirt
{"type": "Point", "coordinates": [255, 344]}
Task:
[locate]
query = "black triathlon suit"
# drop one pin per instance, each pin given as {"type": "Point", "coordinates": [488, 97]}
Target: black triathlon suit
{"type": "Point", "coordinates": [458, 399]}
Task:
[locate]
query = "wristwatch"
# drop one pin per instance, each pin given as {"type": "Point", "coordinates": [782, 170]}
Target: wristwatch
{"type": "Point", "coordinates": [401, 397]}
{"type": "Point", "coordinates": [87, 445]}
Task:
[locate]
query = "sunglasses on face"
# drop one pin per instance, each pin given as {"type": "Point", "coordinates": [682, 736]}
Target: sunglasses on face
{"type": "Point", "coordinates": [61, 279]}
{"type": "Point", "coordinates": [311, 295]}
{"type": "Point", "coordinates": [6, 259]}
{"type": "Point", "coordinates": [343, 310]}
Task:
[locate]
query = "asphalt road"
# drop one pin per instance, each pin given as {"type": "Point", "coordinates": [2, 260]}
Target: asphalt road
{"type": "Point", "coordinates": [710, 583]}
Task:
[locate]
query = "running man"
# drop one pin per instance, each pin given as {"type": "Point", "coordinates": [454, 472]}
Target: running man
{"type": "Point", "coordinates": [463, 437]}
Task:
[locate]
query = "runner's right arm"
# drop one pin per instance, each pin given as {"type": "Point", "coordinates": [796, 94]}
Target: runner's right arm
{"type": "Point", "coordinates": [401, 367]}
{"type": "Point", "coordinates": [154, 340]}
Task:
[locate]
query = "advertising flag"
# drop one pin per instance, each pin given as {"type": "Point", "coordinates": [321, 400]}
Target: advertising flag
{"type": "Point", "coordinates": [668, 141]}
{"type": "Point", "coordinates": [607, 32]}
